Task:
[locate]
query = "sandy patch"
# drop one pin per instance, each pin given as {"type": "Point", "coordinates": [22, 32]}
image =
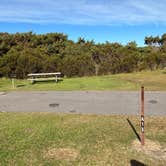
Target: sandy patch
{"type": "Point", "coordinates": [151, 148]}
{"type": "Point", "coordinates": [68, 154]}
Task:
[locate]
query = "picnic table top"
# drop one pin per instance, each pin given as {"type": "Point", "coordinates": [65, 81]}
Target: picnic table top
{"type": "Point", "coordinates": [44, 74]}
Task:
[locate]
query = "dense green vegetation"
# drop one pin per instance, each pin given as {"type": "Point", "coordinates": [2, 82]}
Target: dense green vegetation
{"type": "Point", "coordinates": [152, 80]}
{"type": "Point", "coordinates": [67, 139]}
{"type": "Point", "coordinates": [23, 53]}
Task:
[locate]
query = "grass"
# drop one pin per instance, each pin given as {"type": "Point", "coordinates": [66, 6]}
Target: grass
{"type": "Point", "coordinates": [69, 139]}
{"type": "Point", "coordinates": [152, 80]}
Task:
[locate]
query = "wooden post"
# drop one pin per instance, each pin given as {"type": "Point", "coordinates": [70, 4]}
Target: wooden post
{"type": "Point", "coordinates": [13, 86]}
{"type": "Point", "coordinates": [142, 116]}
{"type": "Point", "coordinates": [56, 78]}
{"type": "Point", "coordinates": [33, 80]}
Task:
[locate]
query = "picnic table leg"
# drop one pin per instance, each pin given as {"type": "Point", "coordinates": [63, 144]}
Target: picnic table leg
{"type": "Point", "coordinates": [56, 79]}
{"type": "Point", "coordinates": [33, 81]}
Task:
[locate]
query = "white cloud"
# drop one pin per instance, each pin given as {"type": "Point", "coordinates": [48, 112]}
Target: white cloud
{"type": "Point", "coordinates": [85, 12]}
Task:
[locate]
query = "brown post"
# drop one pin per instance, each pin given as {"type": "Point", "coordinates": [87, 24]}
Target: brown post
{"type": "Point", "coordinates": [142, 116]}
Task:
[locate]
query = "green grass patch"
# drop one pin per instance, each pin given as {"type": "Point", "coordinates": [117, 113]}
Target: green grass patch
{"type": "Point", "coordinates": [152, 80]}
{"type": "Point", "coordinates": [50, 139]}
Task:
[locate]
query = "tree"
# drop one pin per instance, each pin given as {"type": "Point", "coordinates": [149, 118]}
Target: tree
{"type": "Point", "coordinates": [23, 53]}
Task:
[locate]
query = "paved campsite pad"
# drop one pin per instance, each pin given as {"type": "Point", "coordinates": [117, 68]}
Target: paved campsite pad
{"type": "Point", "coordinates": [88, 102]}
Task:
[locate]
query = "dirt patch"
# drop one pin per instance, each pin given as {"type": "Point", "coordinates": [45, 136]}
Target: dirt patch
{"type": "Point", "coordinates": [28, 131]}
{"type": "Point", "coordinates": [151, 148]}
{"type": "Point", "coordinates": [68, 154]}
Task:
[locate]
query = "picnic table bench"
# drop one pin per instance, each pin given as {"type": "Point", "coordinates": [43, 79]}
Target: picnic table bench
{"type": "Point", "coordinates": [44, 77]}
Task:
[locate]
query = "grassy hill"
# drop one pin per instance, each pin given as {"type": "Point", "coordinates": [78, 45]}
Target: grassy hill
{"type": "Point", "coordinates": [152, 80]}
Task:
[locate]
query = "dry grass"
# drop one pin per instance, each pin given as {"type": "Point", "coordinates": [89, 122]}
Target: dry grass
{"type": "Point", "coordinates": [67, 154]}
{"type": "Point", "coordinates": [152, 80]}
{"type": "Point", "coordinates": [77, 120]}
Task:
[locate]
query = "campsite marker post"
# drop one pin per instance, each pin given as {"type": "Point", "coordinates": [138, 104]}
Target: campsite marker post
{"type": "Point", "coordinates": [13, 86]}
{"type": "Point", "coordinates": [12, 77]}
{"type": "Point", "coordinates": [142, 116]}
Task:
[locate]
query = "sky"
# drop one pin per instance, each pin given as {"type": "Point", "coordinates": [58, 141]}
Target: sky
{"type": "Point", "coordinates": [99, 20]}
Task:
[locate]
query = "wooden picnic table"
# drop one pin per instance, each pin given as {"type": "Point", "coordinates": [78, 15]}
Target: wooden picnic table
{"type": "Point", "coordinates": [44, 76]}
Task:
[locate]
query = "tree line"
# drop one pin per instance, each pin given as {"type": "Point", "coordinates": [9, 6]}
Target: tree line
{"type": "Point", "coordinates": [23, 53]}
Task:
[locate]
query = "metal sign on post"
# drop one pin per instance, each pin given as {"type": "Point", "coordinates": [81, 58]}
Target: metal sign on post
{"type": "Point", "coordinates": [142, 116]}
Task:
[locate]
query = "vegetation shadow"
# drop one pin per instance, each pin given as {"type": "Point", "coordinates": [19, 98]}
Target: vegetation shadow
{"type": "Point", "coordinates": [18, 86]}
{"type": "Point", "coordinates": [134, 130]}
{"type": "Point", "coordinates": [136, 163]}
{"type": "Point", "coordinates": [46, 81]}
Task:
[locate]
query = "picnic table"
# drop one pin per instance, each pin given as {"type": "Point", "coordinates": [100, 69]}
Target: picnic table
{"type": "Point", "coordinates": [44, 77]}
